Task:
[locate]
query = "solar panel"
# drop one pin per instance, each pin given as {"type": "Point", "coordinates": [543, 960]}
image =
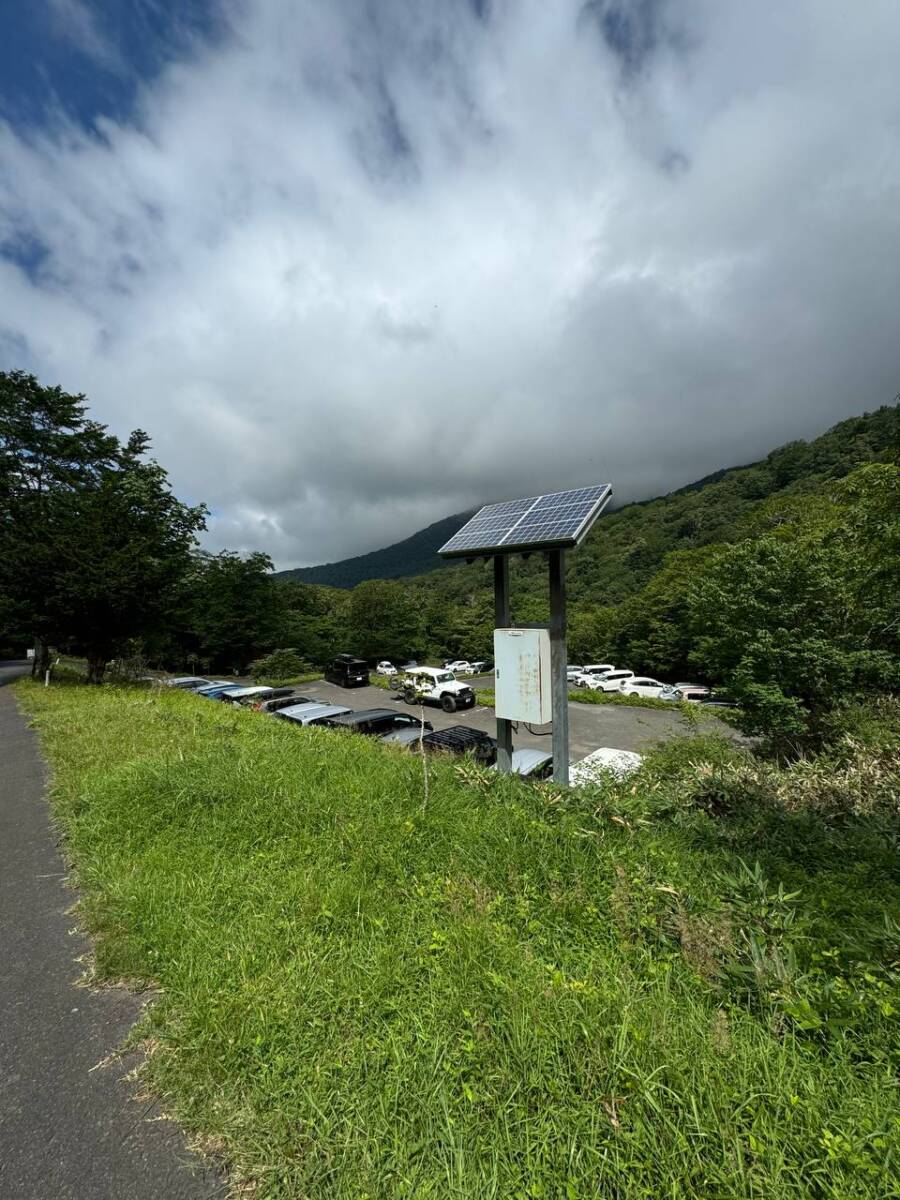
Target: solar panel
{"type": "Point", "coordinates": [553, 521]}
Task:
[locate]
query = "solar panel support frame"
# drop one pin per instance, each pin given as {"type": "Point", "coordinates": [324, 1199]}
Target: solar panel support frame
{"type": "Point", "coordinates": [559, 683]}
{"type": "Point", "coordinates": [490, 518]}
{"type": "Point", "coordinates": [501, 621]}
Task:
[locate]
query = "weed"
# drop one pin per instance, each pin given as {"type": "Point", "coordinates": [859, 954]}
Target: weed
{"type": "Point", "coordinates": [505, 994]}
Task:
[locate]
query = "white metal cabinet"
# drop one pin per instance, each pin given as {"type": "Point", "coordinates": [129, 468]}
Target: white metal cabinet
{"type": "Point", "coordinates": [522, 675]}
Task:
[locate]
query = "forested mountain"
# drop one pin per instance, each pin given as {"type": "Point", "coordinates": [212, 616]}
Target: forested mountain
{"type": "Point", "coordinates": [628, 545]}
{"type": "Point", "coordinates": [412, 556]}
{"type": "Point", "coordinates": [778, 579]}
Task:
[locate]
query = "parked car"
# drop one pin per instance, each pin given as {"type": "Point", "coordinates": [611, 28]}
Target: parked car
{"type": "Point", "coordinates": [216, 693]}
{"type": "Point", "coordinates": [459, 666]}
{"type": "Point", "coordinates": [587, 678]}
{"type": "Point", "coordinates": [610, 682]}
{"type": "Point", "coordinates": [406, 735]}
{"type": "Point", "coordinates": [601, 763]}
{"type": "Point", "coordinates": [670, 693]}
{"type": "Point", "coordinates": [692, 687]}
{"type": "Point", "coordinates": [271, 704]}
{"type": "Point", "coordinates": [720, 700]}
{"type": "Point", "coordinates": [386, 668]}
{"type": "Point", "coordinates": [691, 695]}
{"type": "Point", "coordinates": [376, 722]}
{"type": "Point", "coordinates": [311, 713]}
{"type": "Point", "coordinates": [242, 695]}
{"type": "Point", "coordinates": [431, 685]}
{"type": "Point", "coordinates": [460, 739]}
{"type": "Point", "coordinates": [270, 693]}
{"type": "Point", "coordinates": [347, 671]}
{"type": "Point", "coordinates": [572, 670]}
{"type": "Point", "coordinates": [211, 685]}
{"type": "Point", "coordinates": [531, 764]}
{"type": "Point", "coordinates": [479, 665]}
{"type": "Point", "coordinates": [186, 682]}
{"type": "Point", "coordinates": [642, 685]}
{"type": "Point", "coordinates": [598, 668]}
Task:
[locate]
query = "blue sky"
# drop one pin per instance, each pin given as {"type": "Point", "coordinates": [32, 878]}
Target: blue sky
{"type": "Point", "coordinates": [89, 57]}
{"type": "Point", "coordinates": [358, 265]}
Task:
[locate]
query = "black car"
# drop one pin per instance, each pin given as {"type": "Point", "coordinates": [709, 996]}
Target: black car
{"type": "Point", "coordinates": [375, 721]}
{"type": "Point", "coordinates": [460, 739]}
{"type": "Point", "coordinates": [284, 698]}
{"type": "Point", "coordinates": [347, 671]}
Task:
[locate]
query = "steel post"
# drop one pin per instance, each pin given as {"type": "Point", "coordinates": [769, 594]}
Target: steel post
{"type": "Point", "coordinates": [501, 621]}
{"type": "Point", "coordinates": [558, 663]}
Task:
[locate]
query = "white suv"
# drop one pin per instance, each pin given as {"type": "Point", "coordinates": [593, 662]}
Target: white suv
{"type": "Point", "coordinates": [587, 676]}
{"type": "Point", "coordinates": [431, 685]}
{"type": "Point", "coordinates": [459, 666]}
{"type": "Point", "coordinates": [612, 681]}
{"type": "Point", "coordinates": [641, 685]}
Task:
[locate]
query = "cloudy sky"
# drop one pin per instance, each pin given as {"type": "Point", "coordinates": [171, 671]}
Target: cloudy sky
{"type": "Point", "coordinates": [358, 265]}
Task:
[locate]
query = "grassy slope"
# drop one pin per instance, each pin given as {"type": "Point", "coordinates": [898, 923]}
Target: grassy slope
{"type": "Point", "coordinates": [484, 996]}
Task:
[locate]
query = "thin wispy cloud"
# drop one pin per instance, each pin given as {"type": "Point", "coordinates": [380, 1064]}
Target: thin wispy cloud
{"type": "Point", "coordinates": [356, 267]}
{"type": "Point", "coordinates": [76, 22]}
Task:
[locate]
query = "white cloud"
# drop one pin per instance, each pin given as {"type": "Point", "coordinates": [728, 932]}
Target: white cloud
{"type": "Point", "coordinates": [75, 21]}
{"type": "Point", "coordinates": [354, 276]}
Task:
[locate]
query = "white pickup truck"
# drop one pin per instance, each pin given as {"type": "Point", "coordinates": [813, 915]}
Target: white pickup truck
{"type": "Point", "coordinates": [432, 685]}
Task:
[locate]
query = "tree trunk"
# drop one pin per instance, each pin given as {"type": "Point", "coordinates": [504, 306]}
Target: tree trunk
{"type": "Point", "coordinates": [96, 667]}
{"type": "Point", "coordinates": [41, 661]}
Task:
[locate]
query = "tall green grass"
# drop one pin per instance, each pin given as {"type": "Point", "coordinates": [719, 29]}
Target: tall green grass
{"type": "Point", "coordinates": [500, 991]}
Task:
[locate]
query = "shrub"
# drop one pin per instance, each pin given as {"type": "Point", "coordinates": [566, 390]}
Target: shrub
{"type": "Point", "coordinates": [280, 664]}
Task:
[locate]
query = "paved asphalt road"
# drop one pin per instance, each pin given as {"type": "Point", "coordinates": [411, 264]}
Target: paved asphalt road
{"type": "Point", "coordinates": [67, 1131]}
{"type": "Point", "coordinates": [590, 725]}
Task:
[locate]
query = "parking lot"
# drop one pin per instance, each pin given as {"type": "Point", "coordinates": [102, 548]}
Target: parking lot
{"type": "Point", "coordinates": [590, 725]}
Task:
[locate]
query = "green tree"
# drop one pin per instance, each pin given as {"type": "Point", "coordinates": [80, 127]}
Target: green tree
{"type": "Point", "coordinates": [383, 620]}
{"type": "Point", "coordinates": [652, 628]}
{"type": "Point", "coordinates": [804, 619]}
{"type": "Point", "coordinates": [236, 608]}
{"type": "Point", "coordinates": [49, 451]}
{"type": "Point", "coordinates": [93, 545]}
{"type": "Point", "coordinates": [123, 544]}
{"type": "Point", "coordinates": [314, 619]}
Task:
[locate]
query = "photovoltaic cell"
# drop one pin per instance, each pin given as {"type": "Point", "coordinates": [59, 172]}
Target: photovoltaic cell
{"type": "Point", "coordinates": [555, 520]}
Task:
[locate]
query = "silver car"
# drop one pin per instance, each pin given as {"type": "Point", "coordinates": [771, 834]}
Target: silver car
{"type": "Point", "coordinates": [311, 714]}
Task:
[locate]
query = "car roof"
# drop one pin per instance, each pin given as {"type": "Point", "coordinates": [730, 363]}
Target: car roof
{"type": "Point", "coordinates": [406, 733]}
{"type": "Point", "coordinates": [526, 760]}
{"type": "Point", "coordinates": [604, 759]}
{"type": "Point", "coordinates": [251, 691]}
{"type": "Point", "coordinates": [366, 714]}
{"type": "Point", "coordinates": [305, 712]}
{"type": "Point", "coordinates": [458, 737]}
{"type": "Point", "coordinates": [305, 705]}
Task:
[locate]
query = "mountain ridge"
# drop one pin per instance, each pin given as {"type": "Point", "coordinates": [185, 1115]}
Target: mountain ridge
{"type": "Point", "coordinates": [413, 555]}
{"type": "Point", "coordinates": [821, 456]}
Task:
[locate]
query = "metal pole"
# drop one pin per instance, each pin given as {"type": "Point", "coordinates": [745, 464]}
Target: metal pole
{"type": "Point", "coordinates": [501, 621]}
{"type": "Point", "coordinates": [559, 686]}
